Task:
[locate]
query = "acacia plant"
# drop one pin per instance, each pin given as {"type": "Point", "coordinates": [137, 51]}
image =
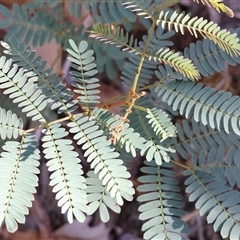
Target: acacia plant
{"type": "Point", "coordinates": [209, 139]}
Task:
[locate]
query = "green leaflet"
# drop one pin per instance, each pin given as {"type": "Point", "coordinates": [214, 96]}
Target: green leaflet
{"type": "Point", "coordinates": [163, 55]}
{"type": "Point", "coordinates": [75, 8]}
{"type": "Point", "coordinates": [209, 57]}
{"type": "Point", "coordinates": [213, 195]}
{"type": "Point", "coordinates": [10, 124]}
{"type": "Point", "coordinates": [66, 179]}
{"type": "Point", "coordinates": [161, 124]}
{"type": "Point", "coordinates": [99, 198]}
{"type": "Point", "coordinates": [103, 157]}
{"type": "Point", "coordinates": [225, 39]}
{"type": "Point", "coordinates": [42, 27]}
{"type": "Point", "coordinates": [50, 84]}
{"type": "Point", "coordinates": [211, 162]}
{"type": "Point", "coordinates": [84, 82]}
{"type": "Point", "coordinates": [194, 136]}
{"type": "Point", "coordinates": [17, 85]}
{"type": "Point", "coordinates": [204, 104]}
{"type": "Point", "coordinates": [158, 187]}
{"type": "Point", "coordinates": [153, 148]}
{"type": "Point", "coordinates": [18, 179]}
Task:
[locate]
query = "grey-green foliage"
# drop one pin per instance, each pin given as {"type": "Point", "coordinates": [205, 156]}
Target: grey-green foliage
{"type": "Point", "coordinates": [162, 204]}
{"type": "Point", "coordinates": [37, 26]}
{"type": "Point", "coordinates": [213, 190]}
{"type": "Point", "coordinates": [110, 142]}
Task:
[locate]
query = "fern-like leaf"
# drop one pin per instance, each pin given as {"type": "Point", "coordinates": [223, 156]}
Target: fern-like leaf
{"type": "Point", "coordinates": [22, 89]}
{"type": "Point", "coordinates": [161, 123]}
{"type": "Point", "coordinates": [43, 26]}
{"type": "Point", "coordinates": [225, 39]}
{"type": "Point", "coordinates": [66, 179]}
{"type": "Point", "coordinates": [159, 44]}
{"type": "Point", "coordinates": [148, 8]}
{"type": "Point", "coordinates": [208, 57]}
{"type": "Point", "coordinates": [18, 180]}
{"type": "Point", "coordinates": [154, 148]}
{"type": "Point", "coordinates": [160, 39]}
{"type": "Point", "coordinates": [215, 198]}
{"type": "Point", "coordinates": [228, 170]}
{"type": "Point", "coordinates": [193, 137]}
{"type": "Point", "coordinates": [103, 157]}
{"type": "Point", "coordinates": [52, 85]}
{"type": "Point", "coordinates": [176, 61]}
{"type": "Point", "coordinates": [84, 82]}
{"type": "Point", "coordinates": [107, 33]}
{"type": "Point", "coordinates": [99, 198]}
{"type": "Point", "coordinates": [218, 109]}
{"type": "Point", "coordinates": [160, 203]}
